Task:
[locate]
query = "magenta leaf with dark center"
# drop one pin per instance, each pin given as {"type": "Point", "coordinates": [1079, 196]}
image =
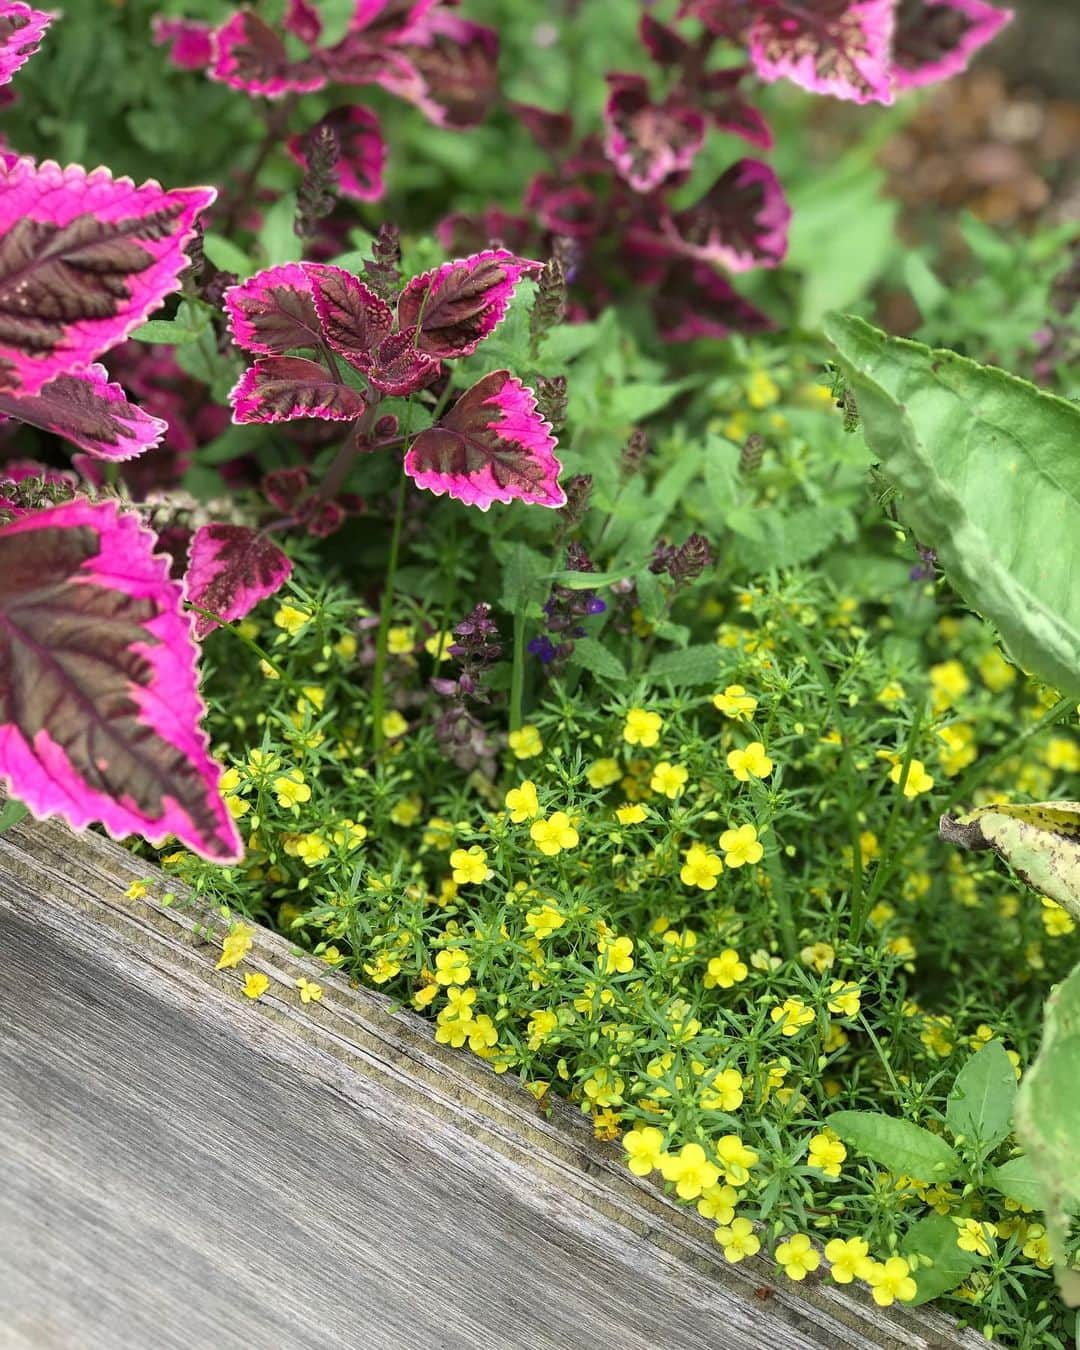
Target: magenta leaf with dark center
{"type": "Point", "coordinates": [250, 56]}
{"type": "Point", "coordinates": [280, 388]}
{"type": "Point", "coordinates": [741, 222]}
{"type": "Point", "coordinates": [937, 38]}
{"type": "Point", "coordinates": [361, 152]}
{"type": "Point", "coordinates": [459, 304]}
{"type": "Point", "coordinates": [353, 319]}
{"type": "Point", "coordinates": [457, 61]}
{"type": "Point", "coordinates": [84, 258]}
{"type": "Point", "coordinates": [21, 31]}
{"type": "Point", "coordinates": [99, 706]}
{"type": "Point", "coordinates": [190, 44]}
{"type": "Point", "coordinates": [648, 142]}
{"type": "Point", "coordinates": [492, 446]}
{"type": "Point", "coordinates": [398, 367]}
{"type": "Point", "coordinates": [550, 130]}
{"type": "Point", "coordinates": [273, 311]}
{"type": "Point", "coordinates": [92, 413]}
{"type": "Point", "coordinates": [838, 47]}
{"type": "Point", "coordinates": [721, 100]}
{"type": "Point", "coordinates": [230, 569]}
{"type": "Point", "coordinates": [663, 44]}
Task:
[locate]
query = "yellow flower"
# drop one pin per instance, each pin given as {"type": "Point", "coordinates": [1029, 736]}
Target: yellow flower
{"type": "Point", "coordinates": [701, 868]}
{"type": "Point", "coordinates": [741, 846]}
{"type": "Point", "coordinates": [891, 692]}
{"type": "Point", "coordinates": [973, 1236]}
{"type": "Point", "coordinates": [849, 1259]}
{"type": "Point", "coordinates": [797, 1257]}
{"type": "Point", "coordinates": [718, 1203]}
{"type": "Point", "coordinates": [291, 790]}
{"type": "Point", "coordinates": [235, 945]}
{"type": "Point", "coordinates": [735, 1159]}
{"type": "Point", "coordinates": [724, 1092]}
{"type": "Point", "coordinates": [1057, 921]}
{"type": "Point", "coordinates": [735, 703]}
{"type": "Point", "coordinates": [407, 811]}
{"type": "Point", "coordinates": [603, 773]}
{"type": "Point", "coordinates": [819, 956]}
{"type": "Point", "coordinates": [615, 955]}
{"type": "Point", "coordinates": [256, 984]}
{"type": "Point", "coordinates": [438, 833]}
{"type": "Point", "coordinates": [437, 644]}
{"type": "Point", "coordinates": [603, 1088]}
{"type": "Point", "coordinates": [310, 992]}
{"type": "Point", "coordinates": [544, 921]}
{"type": "Point", "coordinates": [470, 865]}
{"type": "Point", "coordinates": [644, 1150]}
{"type": "Point", "coordinates": [793, 1015]}
{"type": "Point", "coordinates": [738, 1240]}
{"type": "Point", "coordinates": [960, 748]}
{"type": "Point", "coordinates": [1037, 1247]}
{"type": "Point", "coordinates": [668, 779]}
{"type": "Point", "coordinates": [291, 619]}
{"type": "Point", "coordinates": [394, 725]}
{"type": "Point", "coordinates": [312, 849]}
{"type": "Point", "coordinates": [483, 1035]}
{"type": "Point", "coordinates": [452, 966]}
{"type": "Point", "coordinates": [630, 814]}
{"type": "Point", "coordinates": [350, 834]}
{"type": "Point", "coordinates": [949, 682]}
{"type": "Point", "coordinates": [521, 802]}
{"type": "Point", "coordinates": [891, 1280]}
{"type": "Point", "coordinates": [136, 891]}
{"type": "Point", "coordinates": [384, 968]}
{"type": "Point", "coordinates": [690, 1170]}
{"type": "Point", "coordinates": [918, 780]}
{"type": "Point", "coordinates": [725, 970]}
{"type": "Point", "coordinates": [526, 743]}
{"type": "Point", "coordinates": [826, 1153]}
{"type": "Point", "coordinates": [454, 1033]}
{"type": "Point", "coordinates": [400, 640]}
{"type": "Point", "coordinates": [642, 728]}
{"type": "Point", "coordinates": [995, 671]}
{"type": "Point", "coordinates": [1062, 753]}
{"type": "Point", "coordinates": [554, 834]}
{"type": "Point", "coordinates": [541, 1024]}
{"type": "Point", "coordinates": [844, 998]}
{"type": "Point", "coordinates": [345, 647]}
{"type": "Point", "coordinates": [459, 1005]}
{"type": "Point", "coordinates": [761, 389]}
{"type": "Point", "coordinates": [752, 762]}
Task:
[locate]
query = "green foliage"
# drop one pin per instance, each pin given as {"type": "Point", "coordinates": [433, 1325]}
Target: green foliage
{"type": "Point", "coordinates": [899, 1145]}
{"type": "Point", "coordinates": [986, 466]}
{"type": "Point", "coordinates": [980, 1107]}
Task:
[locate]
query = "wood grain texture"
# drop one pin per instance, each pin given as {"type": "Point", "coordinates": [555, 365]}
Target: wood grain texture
{"type": "Point", "coordinates": [185, 1168]}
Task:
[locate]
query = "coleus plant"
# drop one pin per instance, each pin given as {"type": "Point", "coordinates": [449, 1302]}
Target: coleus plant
{"type": "Point", "coordinates": [608, 198]}
{"type": "Point", "coordinates": [415, 49]}
{"type": "Point", "coordinates": [492, 445]}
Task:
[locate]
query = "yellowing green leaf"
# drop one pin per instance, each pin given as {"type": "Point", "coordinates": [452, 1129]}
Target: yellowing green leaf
{"type": "Point", "coordinates": [1041, 842]}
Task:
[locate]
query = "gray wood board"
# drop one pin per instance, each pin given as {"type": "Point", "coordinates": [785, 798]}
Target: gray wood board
{"type": "Point", "coordinates": [185, 1168]}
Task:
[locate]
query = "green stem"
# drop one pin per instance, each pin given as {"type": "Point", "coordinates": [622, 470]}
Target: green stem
{"type": "Point", "coordinates": [250, 643]}
{"type": "Point", "coordinates": [386, 612]}
{"type": "Point", "coordinates": [517, 671]}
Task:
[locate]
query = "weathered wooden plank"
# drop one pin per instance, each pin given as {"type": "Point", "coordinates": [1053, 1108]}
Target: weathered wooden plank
{"type": "Point", "coordinates": [185, 1168]}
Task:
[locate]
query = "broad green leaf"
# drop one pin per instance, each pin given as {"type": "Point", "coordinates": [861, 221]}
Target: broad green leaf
{"type": "Point", "coordinates": [164, 331]}
{"type": "Point", "coordinates": [336, 15]}
{"type": "Point", "coordinates": [1041, 842]}
{"type": "Point", "coordinates": [1019, 1180]}
{"type": "Point", "coordinates": [693, 665]}
{"type": "Point", "coordinates": [11, 812]}
{"type": "Point", "coordinates": [226, 255]}
{"type": "Point", "coordinates": [980, 1105]}
{"type": "Point", "coordinates": [989, 473]}
{"type": "Point", "coordinates": [943, 1264]}
{"type": "Point", "coordinates": [523, 576]}
{"type": "Point", "coordinates": [594, 657]}
{"type": "Point", "coordinates": [1047, 1112]}
{"type": "Point", "coordinates": [277, 238]}
{"type": "Point", "coordinates": [905, 1149]}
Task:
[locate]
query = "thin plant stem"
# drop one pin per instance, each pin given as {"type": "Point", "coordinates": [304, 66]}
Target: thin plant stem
{"type": "Point", "coordinates": [386, 611]}
{"type": "Point", "coordinates": [983, 767]}
{"type": "Point", "coordinates": [517, 670]}
{"type": "Point", "coordinates": [250, 643]}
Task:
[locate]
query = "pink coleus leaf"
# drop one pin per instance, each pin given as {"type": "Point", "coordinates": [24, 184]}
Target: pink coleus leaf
{"type": "Point", "coordinates": [937, 38]}
{"type": "Point", "coordinates": [550, 130]}
{"type": "Point", "coordinates": [249, 55]}
{"type": "Point", "coordinates": [492, 446]}
{"type": "Point", "coordinates": [84, 258]}
{"type": "Point", "coordinates": [663, 44]}
{"type": "Point", "coordinates": [459, 304]}
{"type": "Point", "coordinates": [648, 142]}
{"type": "Point", "coordinates": [281, 388]}
{"type": "Point", "coordinates": [695, 302]}
{"type": "Point", "coordinates": [398, 367]}
{"type": "Point", "coordinates": [741, 222]}
{"type": "Point", "coordinates": [838, 47]}
{"type": "Point", "coordinates": [190, 44]}
{"type": "Point", "coordinates": [354, 320]}
{"type": "Point", "coordinates": [99, 705]}
{"type": "Point", "coordinates": [457, 61]}
{"type": "Point", "coordinates": [303, 20]}
{"type": "Point", "coordinates": [389, 21]}
{"type": "Point", "coordinates": [91, 412]}
{"type": "Point", "coordinates": [230, 569]}
{"type": "Point", "coordinates": [21, 31]}
{"type": "Point", "coordinates": [720, 98]}
{"type": "Point", "coordinates": [361, 152]}
{"type": "Point", "coordinates": [273, 312]}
